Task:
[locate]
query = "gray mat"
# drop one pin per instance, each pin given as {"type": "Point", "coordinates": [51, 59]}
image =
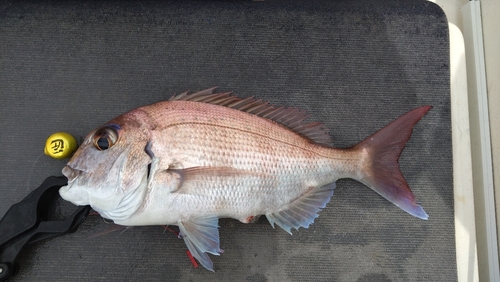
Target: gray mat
{"type": "Point", "coordinates": [354, 65]}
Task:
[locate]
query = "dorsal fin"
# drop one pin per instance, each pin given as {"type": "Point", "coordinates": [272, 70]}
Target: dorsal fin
{"type": "Point", "coordinates": [289, 117]}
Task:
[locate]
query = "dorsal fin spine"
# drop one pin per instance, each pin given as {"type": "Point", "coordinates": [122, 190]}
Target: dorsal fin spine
{"type": "Point", "coordinates": [251, 105]}
{"type": "Point", "coordinates": [273, 113]}
{"type": "Point", "coordinates": [264, 112]}
{"type": "Point", "coordinates": [242, 103]}
{"type": "Point", "coordinates": [258, 110]}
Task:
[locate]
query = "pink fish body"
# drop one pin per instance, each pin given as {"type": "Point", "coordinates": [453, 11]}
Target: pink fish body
{"type": "Point", "coordinates": [199, 157]}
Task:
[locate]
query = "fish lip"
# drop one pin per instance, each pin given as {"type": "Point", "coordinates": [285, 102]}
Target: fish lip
{"type": "Point", "coordinates": [71, 173]}
{"type": "Point", "coordinates": [76, 201]}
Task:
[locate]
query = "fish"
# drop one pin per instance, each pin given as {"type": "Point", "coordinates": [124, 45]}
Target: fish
{"type": "Point", "coordinates": [201, 156]}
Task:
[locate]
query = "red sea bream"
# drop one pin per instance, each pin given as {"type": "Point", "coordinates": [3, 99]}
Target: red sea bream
{"type": "Point", "coordinates": [203, 156]}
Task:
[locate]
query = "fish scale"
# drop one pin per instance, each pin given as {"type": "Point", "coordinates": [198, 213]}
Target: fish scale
{"type": "Point", "coordinates": [202, 156]}
{"type": "Point", "coordinates": [242, 151]}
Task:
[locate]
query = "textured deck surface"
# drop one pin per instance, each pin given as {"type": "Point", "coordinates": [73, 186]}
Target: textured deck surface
{"type": "Point", "coordinates": [354, 65]}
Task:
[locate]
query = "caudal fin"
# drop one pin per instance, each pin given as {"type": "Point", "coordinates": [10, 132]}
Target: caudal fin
{"type": "Point", "coordinates": [381, 168]}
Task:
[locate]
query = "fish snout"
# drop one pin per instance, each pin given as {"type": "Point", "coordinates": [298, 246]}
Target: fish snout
{"type": "Point", "coordinates": [70, 172]}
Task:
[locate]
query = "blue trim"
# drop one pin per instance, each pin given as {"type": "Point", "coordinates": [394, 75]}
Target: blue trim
{"type": "Point", "coordinates": [115, 126]}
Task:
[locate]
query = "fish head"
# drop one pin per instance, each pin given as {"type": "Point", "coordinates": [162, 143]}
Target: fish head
{"type": "Point", "coordinates": [109, 171]}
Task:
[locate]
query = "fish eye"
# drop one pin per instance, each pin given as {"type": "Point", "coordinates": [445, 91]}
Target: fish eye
{"type": "Point", "coordinates": [102, 143]}
{"type": "Point", "coordinates": [105, 137]}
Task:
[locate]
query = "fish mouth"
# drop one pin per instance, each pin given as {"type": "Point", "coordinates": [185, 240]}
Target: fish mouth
{"type": "Point", "coordinates": [75, 191]}
{"type": "Point", "coordinates": [71, 173]}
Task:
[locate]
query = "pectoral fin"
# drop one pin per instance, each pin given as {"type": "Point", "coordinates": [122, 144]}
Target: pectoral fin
{"type": "Point", "coordinates": [201, 236]}
{"type": "Point", "coordinates": [190, 178]}
{"type": "Point", "coordinates": [303, 211]}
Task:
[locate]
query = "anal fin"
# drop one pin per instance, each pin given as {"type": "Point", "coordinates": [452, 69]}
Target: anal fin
{"type": "Point", "coordinates": [303, 211]}
{"type": "Point", "coordinates": [201, 236]}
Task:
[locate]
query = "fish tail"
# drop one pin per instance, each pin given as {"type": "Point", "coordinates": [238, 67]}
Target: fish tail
{"type": "Point", "coordinates": [380, 167]}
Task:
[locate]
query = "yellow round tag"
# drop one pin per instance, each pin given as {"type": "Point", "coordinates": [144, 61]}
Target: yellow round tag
{"type": "Point", "coordinates": [60, 145]}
